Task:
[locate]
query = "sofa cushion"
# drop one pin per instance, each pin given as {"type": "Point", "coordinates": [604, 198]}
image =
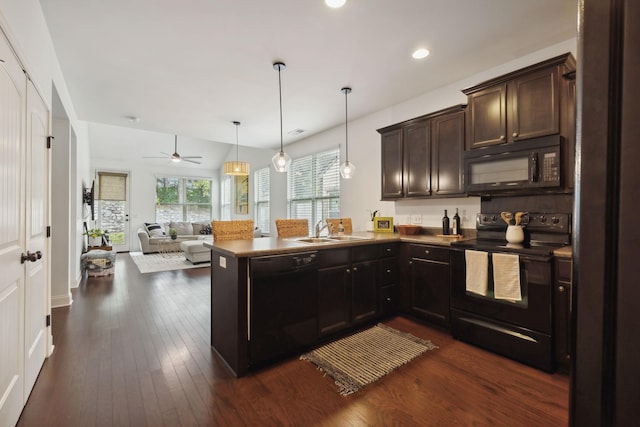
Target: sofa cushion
{"type": "Point", "coordinates": [154, 229]}
{"type": "Point", "coordinates": [182, 227]}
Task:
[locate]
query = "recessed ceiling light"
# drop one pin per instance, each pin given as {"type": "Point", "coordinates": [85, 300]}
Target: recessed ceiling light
{"type": "Point", "coordinates": [335, 3]}
{"type": "Point", "coordinates": [133, 119]}
{"type": "Point", "coordinates": [420, 53]}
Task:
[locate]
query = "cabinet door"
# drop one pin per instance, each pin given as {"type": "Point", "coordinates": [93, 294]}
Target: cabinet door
{"type": "Point", "coordinates": [392, 167]}
{"type": "Point", "coordinates": [429, 283]}
{"type": "Point", "coordinates": [364, 293]}
{"type": "Point", "coordinates": [562, 308]}
{"type": "Point", "coordinates": [447, 145]}
{"type": "Point", "coordinates": [417, 160]}
{"type": "Point", "coordinates": [486, 121]}
{"type": "Point", "coordinates": [534, 105]}
{"type": "Point", "coordinates": [334, 299]}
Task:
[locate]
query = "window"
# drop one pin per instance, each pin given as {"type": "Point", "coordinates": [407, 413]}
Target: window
{"type": "Point", "coordinates": [313, 187]}
{"type": "Point", "coordinates": [183, 199]}
{"type": "Point", "coordinates": [261, 198]}
{"type": "Point", "coordinates": [225, 199]}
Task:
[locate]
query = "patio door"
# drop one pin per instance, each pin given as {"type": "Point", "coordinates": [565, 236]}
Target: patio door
{"type": "Point", "coordinates": [113, 207]}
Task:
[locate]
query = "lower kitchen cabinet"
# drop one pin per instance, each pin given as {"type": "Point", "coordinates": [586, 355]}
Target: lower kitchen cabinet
{"type": "Point", "coordinates": [429, 281]}
{"type": "Point", "coordinates": [334, 299]}
{"type": "Point", "coordinates": [562, 311]}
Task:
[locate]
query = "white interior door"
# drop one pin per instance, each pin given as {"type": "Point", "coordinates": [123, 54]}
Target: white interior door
{"type": "Point", "coordinates": [12, 235]}
{"type": "Point", "coordinates": [36, 279]}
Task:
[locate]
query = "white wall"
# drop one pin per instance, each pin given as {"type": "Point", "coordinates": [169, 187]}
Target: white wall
{"type": "Point", "coordinates": [362, 193]}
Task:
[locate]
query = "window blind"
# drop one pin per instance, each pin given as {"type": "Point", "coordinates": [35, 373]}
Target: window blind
{"type": "Point", "coordinates": [225, 198]}
{"type": "Point", "coordinates": [261, 198]}
{"type": "Point", "coordinates": [313, 187]}
{"type": "Point", "coordinates": [112, 186]}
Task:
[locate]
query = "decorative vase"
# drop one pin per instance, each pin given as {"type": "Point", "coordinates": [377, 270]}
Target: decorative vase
{"type": "Point", "coordinates": [95, 241]}
{"type": "Point", "coordinates": [370, 226]}
{"type": "Point", "coordinates": [174, 236]}
{"type": "Point", "coordinates": [515, 234]}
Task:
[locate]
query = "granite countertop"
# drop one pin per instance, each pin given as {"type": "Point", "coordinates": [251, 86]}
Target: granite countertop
{"type": "Point", "coordinates": [275, 246]}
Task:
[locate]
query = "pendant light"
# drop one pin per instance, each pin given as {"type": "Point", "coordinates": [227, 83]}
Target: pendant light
{"type": "Point", "coordinates": [281, 160]}
{"type": "Point", "coordinates": [236, 168]}
{"type": "Point", "coordinates": [347, 169]}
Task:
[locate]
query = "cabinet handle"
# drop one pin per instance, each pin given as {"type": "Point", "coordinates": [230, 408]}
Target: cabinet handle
{"type": "Point", "coordinates": [388, 271]}
{"type": "Point", "coordinates": [388, 299]}
{"type": "Point", "coordinates": [426, 251]}
{"type": "Point", "coordinates": [348, 271]}
{"type": "Point", "coordinates": [515, 134]}
{"type": "Point", "coordinates": [560, 288]}
{"type": "Point", "coordinates": [355, 268]}
{"type": "Point", "coordinates": [388, 249]}
{"type": "Point", "coordinates": [502, 138]}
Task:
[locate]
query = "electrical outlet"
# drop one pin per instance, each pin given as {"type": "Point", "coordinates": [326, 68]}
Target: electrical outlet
{"type": "Point", "coordinates": [416, 219]}
{"type": "Point", "coordinates": [223, 262]}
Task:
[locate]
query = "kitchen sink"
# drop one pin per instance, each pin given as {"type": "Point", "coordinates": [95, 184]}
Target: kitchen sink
{"type": "Point", "coordinates": [349, 238]}
{"type": "Point", "coordinates": [314, 240]}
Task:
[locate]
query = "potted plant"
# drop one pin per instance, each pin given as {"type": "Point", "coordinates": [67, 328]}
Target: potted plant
{"type": "Point", "coordinates": [173, 233]}
{"type": "Point", "coordinates": [372, 215]}
{"type": "Point", "coordinates": [95, 236]}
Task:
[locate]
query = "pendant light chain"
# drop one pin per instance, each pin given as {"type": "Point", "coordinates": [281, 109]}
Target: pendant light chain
{"type": "Point", "coordinates": [346, 121]}
{"type": "Point", "coordinates": [237, 124]}
{"type": "Point", "coordinates": [281, 160]}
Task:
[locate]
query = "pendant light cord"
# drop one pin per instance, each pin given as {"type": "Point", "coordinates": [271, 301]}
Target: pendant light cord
{"type": "Point", "coordinates": [346, 121]}
{"type": "Point", "coordinates": [236, 123]}
{"type": "Point", "coordinates": [280, 93]}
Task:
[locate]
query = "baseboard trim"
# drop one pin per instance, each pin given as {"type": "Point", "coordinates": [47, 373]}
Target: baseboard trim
{"type": "Point", "coordinates": [61, 300]}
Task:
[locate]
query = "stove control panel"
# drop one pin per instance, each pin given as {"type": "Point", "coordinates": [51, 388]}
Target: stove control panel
{"type": "Point", "coordinates": [545, 222]}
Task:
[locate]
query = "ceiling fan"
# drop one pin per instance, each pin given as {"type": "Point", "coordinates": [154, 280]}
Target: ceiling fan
{"type": "Point", "coordinates": [175, 157]}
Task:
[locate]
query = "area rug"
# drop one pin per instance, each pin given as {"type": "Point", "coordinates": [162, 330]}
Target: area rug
{"type": "Point", "coordinates": [151, 263]}
{"type": "Point", "coordinates": [366, 356]}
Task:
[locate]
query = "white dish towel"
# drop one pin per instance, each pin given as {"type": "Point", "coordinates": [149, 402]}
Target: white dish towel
{"type": "Point", "coordinates": [477, 263]}
{"type": "Point", "coordinates": [506, 277]}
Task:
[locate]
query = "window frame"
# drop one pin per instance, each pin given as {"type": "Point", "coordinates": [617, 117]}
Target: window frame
{"type": "Point", "coordinates": [258, 201]}
{"type": "Point", "coordinates": [182, 195]}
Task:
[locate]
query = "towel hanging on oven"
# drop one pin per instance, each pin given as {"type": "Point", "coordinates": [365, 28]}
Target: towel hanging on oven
{"type": "Point", "coordinates": [477, 264]}
{"type": "Point", "coordinates": [506, 277]}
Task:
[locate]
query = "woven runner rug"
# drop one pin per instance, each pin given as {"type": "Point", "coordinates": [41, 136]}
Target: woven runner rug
{"type": "Point", "coordinates": [151, 263]}
{"type": "Point", "coordinates": [366, 356]}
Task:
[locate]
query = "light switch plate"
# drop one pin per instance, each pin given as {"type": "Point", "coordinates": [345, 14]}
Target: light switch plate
{"type": "Point", "coordinates": [416, 219]}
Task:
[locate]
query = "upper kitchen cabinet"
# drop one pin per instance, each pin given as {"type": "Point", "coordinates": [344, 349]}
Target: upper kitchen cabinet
{"type": "Point", "coordinates": [521, 105]}
{"type": "Point", "coordinates": [422, 157]}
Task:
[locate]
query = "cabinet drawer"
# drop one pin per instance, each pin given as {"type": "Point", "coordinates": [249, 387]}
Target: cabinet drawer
{"type": "Point", "coordinates": [388, 249]}
{"type": "Point", "coordinates": [563, 269]}
{"type": "Point", "coordinates": [389, 299]}
{"type": "Point", "coordinates": [388, 271]}
{"type": "Point", "coordinates": [365, 252]}
{"type": "Point", "coordinates": [431, 253]}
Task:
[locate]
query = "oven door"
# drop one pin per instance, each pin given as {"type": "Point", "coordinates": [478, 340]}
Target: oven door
{"type": "Point", "coordinates": [532, 312]}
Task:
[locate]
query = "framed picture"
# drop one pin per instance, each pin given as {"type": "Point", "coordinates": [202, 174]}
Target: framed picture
{"type": "Point", "coordinates": [383, 224]}
{"type": "Point", "coordinates": [242, 195]}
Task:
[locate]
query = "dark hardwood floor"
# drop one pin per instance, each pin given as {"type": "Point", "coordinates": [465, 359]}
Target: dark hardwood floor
{"type": "Point", "coordinates": [133, 350]}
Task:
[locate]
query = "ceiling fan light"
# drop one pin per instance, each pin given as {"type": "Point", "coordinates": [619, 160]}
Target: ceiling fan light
{"type": "Point", "coordinates": [281, 161]}
{"type": "Point", "coordinates": [175, 159]}
{"type": "Point", "coordinates": [347, 170]}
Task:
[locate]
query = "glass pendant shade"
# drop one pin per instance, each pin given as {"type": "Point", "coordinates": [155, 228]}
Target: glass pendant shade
{"type": "Point", "coordinates": [281, 161]}
{"type": "Point", "coordinates": [347, 170]}
{"type": "Point", "coordinates": [237, 167]}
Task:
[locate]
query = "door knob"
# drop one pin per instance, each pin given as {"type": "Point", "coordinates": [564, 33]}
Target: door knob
{"type": "Point", "coordinates": [33, 257]}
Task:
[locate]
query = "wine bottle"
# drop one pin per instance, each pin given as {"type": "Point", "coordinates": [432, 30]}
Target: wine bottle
{"type": "Point", "coordinates": [455, 224]}
{"type": "Point", "coordinates": [340, 228]}
{"type": "Point", "coordinates": [445, 223]}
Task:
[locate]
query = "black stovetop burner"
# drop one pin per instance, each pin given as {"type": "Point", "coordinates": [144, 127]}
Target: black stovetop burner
{"type": "Point", "coordinates": [544, 232]}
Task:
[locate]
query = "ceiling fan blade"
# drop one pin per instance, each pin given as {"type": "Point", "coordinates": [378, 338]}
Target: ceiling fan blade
{"type": "Point", "coordinates": [147, 157]}
{"type": "Point", "coordinates": [191, 157]}
{"type": "Point", "coordinates": [190, 161]}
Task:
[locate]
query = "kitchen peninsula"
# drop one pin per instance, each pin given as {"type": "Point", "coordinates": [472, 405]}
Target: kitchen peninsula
{"type": "Point", "coordinates": [271, 297]}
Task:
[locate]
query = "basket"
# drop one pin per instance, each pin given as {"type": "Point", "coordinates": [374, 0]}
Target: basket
{"type": "Point", "coordinates": [408, 229]}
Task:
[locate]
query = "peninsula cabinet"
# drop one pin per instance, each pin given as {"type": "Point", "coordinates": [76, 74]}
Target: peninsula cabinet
{"type": "Point", "coordinates": [428, 276]}
{"type": "Point", "coordinates": [562, 310]}
{"type": "Point", "coordinates": [422, 157]}
{"type": "Point", "coordinates": [521, 105]}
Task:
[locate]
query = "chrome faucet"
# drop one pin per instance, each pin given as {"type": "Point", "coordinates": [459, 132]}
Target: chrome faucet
{"type": "Point", "coordinates": [319, 229]}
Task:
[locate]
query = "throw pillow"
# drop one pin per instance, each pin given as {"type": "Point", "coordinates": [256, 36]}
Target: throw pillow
{"type": "Point", "coordinates": [154, 229]}
{"type": "Point", "coordinates": [206, 229]}
{"type": "Point", "coordinates": [183, 228]}
{"type": "Point", "coordinates": [199, 226]}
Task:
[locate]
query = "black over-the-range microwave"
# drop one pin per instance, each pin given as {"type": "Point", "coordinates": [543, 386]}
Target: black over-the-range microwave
{"type": "Point", "coordinates": [522, 165]}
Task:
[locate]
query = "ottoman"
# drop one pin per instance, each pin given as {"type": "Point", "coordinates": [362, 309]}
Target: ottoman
{"type": "Point", "coordinates": [195, 251]}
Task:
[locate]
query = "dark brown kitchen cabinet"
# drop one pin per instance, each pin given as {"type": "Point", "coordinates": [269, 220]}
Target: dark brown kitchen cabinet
{"type": "Point", "coordinates": [364, 301]}
{"type": "Point", "coordinates": [429, 283]}
{"type": "Point", "coordinates": [334, 299]}
{"type": "Point", "coordinates": [422, 157]}
{"type": "Point", "coordinates": [388, 279]}
{"type": "Point", "coordinates": [392, 164]}
{"type": "Point", "coordinates": [522, 105]}
{"type": "Point", "coordinates": [562, 311]}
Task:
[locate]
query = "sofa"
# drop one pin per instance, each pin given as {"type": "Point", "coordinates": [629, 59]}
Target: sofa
{"type": "Point", "coordinates": [151, 235]}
